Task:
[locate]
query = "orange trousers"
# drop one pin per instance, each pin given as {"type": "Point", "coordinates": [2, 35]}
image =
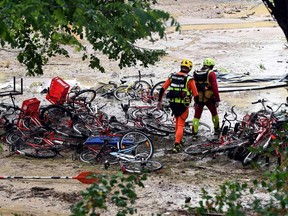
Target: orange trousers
{"type": "Point", "coordinates": [179, 126]}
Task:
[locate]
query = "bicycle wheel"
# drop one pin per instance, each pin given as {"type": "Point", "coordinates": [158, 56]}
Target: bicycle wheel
{"type": "Point", "coordinates": [124, 92]}
{"type": "Point", "coordinates": [81, 98]}
{"type": "Point", "coordinates": [152, 112]}
{"type": "Point", "coordinates": [99, 155]}
{"type": "Point", "coordinates": [15, 140]}
{"type": "Point", "coordinates": [155, 90]}
{"type": "Point", "coordinates": [136, 142]}
{"type": "Point", "coordinates": [140, 167]}
{"type": "Point", "coordinates": [155, 94]}
{"type": "Point", "coordinates": [89, 156]}
{"type": "Point", "coordinates": [199, 148]}
{"type": "Point", "coordinates": [106, 90]}
{"type": "Point", "coordinates": [167, 126]}
{"type": "Point", "coordinates": [37, 153]}
{"type": "Point", "coordinates": [86, 130]}
{"type": "Point", "coordinates": [59, 119]}
{"type": "Point", "coordinates": [253, 155]}
{"type": "Point", "coordinates": [142, 89]}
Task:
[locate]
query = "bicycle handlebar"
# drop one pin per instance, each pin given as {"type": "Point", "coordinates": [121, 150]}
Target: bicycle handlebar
{"type": "Point", "coordinates": [259, 101]}
{"type": "Point", "coordinates": [263, 101]}
{"type": "Point", "coordinates": [233, 113]}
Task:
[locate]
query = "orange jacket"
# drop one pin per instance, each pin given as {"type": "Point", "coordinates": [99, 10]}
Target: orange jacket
{"type": "Point", "coordinates": [191, 85]}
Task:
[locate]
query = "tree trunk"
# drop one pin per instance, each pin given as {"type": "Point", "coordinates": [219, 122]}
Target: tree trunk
{"type": "Point", "coordinates": [279, 10]}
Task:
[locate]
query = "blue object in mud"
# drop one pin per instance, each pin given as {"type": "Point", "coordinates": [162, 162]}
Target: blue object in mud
{"type": "Point", "coordinates": [112, 140]}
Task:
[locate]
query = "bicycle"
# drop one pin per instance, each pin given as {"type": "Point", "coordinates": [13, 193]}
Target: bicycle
{"type": "Point", "coordinates": [135, 90]}
{"type": "Point", "coordinates": [139, 116]}
{"type": "Point", "coordinates": [266, 118]}
{"type": "Point", "coordinates": [28, 137]}
{"type": "Point", "coordinates": [134, 142]}
{"type": "Point", "coordinates": [226, 140]}
{"type": "Point", "coordinates": [60, 93]}
{"type": "Point", "coordinates": [138, 163]}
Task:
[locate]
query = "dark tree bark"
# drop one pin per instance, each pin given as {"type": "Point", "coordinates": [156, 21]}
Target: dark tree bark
{"type": "Point", "coordinates": [279, 10]}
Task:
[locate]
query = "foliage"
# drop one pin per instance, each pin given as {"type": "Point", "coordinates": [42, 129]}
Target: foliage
{"type": "Point", "coordinates": [1, 147]}
{"type": "Point", "coordinates": [228, 200]}
{"type": "Point", "coordinates": [118, 189]}
{"type": "Point", "coordinates": [41, 29]}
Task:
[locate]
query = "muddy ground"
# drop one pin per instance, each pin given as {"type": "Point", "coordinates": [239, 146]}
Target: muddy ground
{"type": "Point", "coordinates": [240, 35]}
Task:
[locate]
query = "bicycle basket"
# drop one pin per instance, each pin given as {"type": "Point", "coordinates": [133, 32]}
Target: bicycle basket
{"type": "Point", "coordinates": [58, 91]}
{"type": "Point", "coordinates": [30, 107]}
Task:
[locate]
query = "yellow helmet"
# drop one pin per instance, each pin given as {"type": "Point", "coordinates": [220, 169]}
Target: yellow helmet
{"type": "Point", "coordinates": [209, 62]}
{"type": "Point", "coordinates": [187, 63]}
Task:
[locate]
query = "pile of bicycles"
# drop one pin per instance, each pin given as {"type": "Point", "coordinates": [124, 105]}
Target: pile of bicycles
{"type": "Point", "coordinates": [74, 121]}
{"type": "Point", "coordinates": [71, 121]}
{"type": "Point", "coordinates": [258, 135]}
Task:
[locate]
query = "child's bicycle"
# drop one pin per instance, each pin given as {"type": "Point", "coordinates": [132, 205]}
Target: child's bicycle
{"type": "Point", "coordinates": [98, 148]}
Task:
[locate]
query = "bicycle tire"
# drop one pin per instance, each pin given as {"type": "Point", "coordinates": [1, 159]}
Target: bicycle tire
{"type": "Point", "coordinates": [124, 92]}
{"type": "Point", "coordinates": [151, 112]}
{"type": "Point", "coordinates": [154, 94]}
{"type": "Point", "coordinates": [58, 119]}
{"type": "Point", "coordinates": [14, 140]}
{"type": "Point", "coordinates": [139, 167]}
{"type": "Point", "coordinates": [83, 129]}
{"type": "Point", "coordinates": [89, 156]}
{"type": "Point", "coordinates": [136, 142]}
{"type": "Point", "coordinates": [81, 98]}
{"type": "Point", "coordinates": [100, 155]}
{"type": "Point", "coordinates": [199, 148]}
{"type": "Point", "coordinates": [142, 88]}
{"type": "Point", "coordinates": [167, 127]}
{"type": "Point", "coordinates": [37, 153]}
{"type": "Point", "coordinates": [152, 131]}
{"type": "Point", "coordinates": [155, 90]}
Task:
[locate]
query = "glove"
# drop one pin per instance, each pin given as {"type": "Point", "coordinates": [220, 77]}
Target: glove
{"type": "Point", "coordinates": [217, 104]}
{"type": "Point", "coordinates": [159, 105]}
